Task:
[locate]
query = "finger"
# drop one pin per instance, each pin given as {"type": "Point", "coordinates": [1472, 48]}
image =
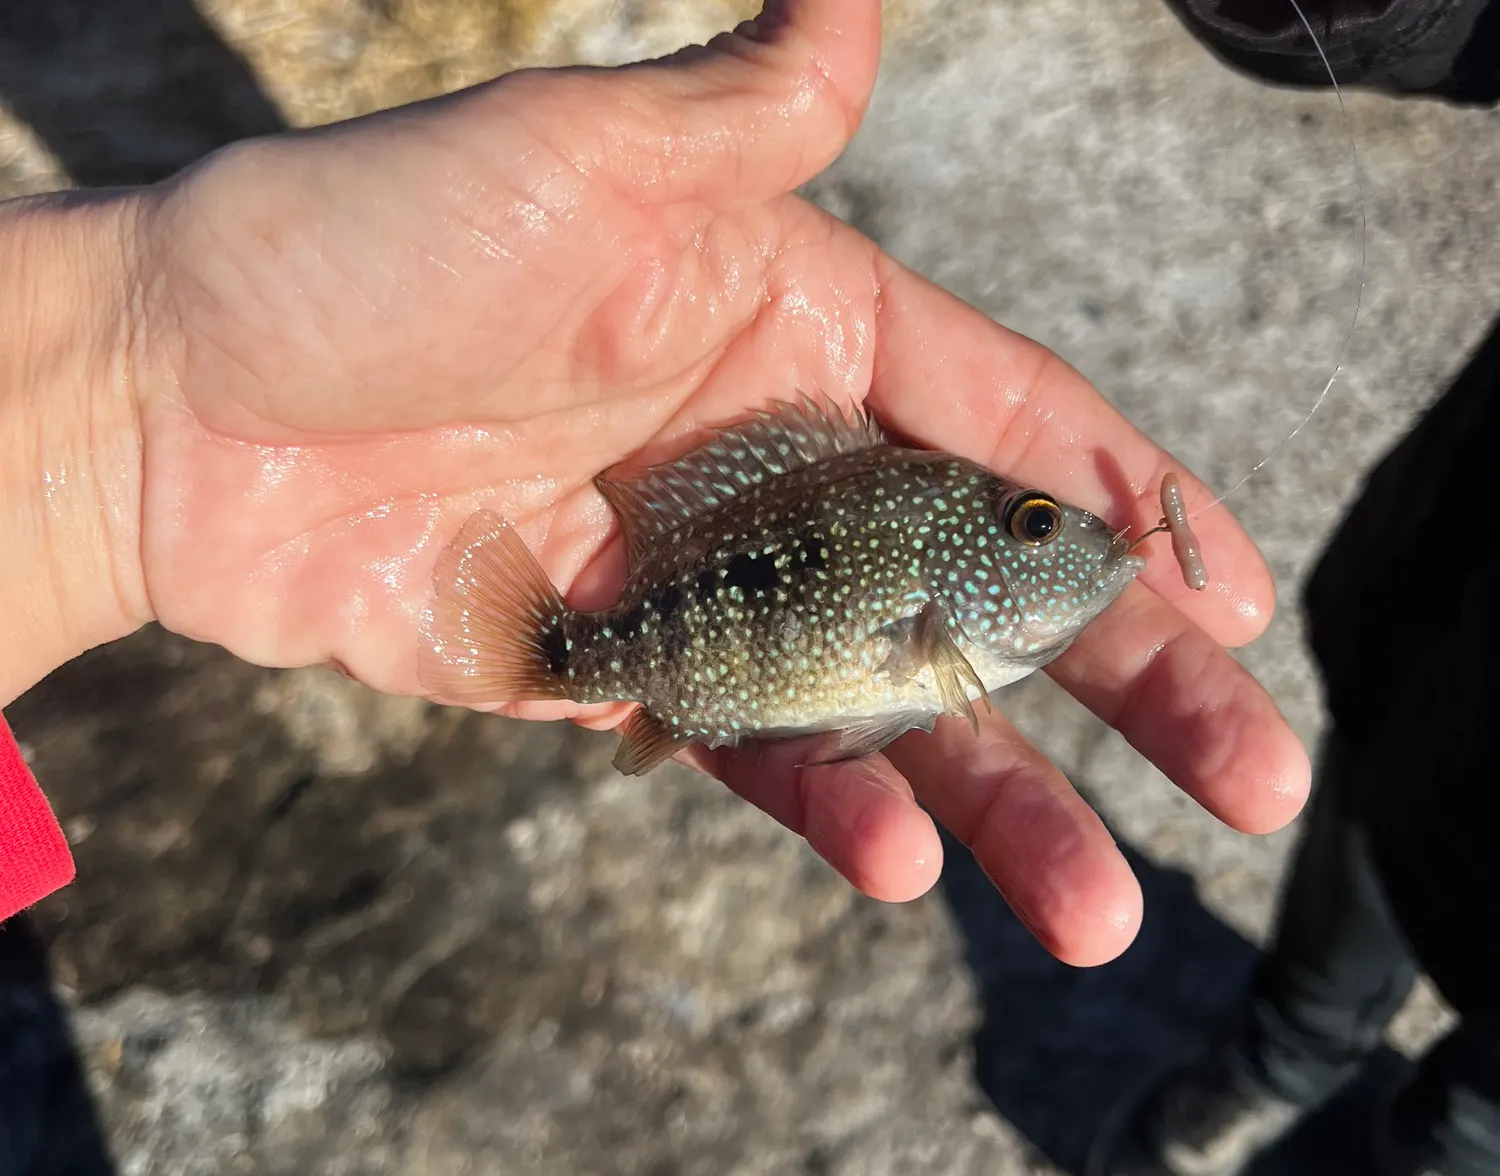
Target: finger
{"type": "Point", "coordinates": [1035, 838]}
{"type": "Point", "coordinates": [1191, 709]}
{"type": "Point", "coordinates": [858, 815]}
{"type": "Point", "coordinates": [751, 115]}
{"type": "Point", "coordinates": [952, 378]}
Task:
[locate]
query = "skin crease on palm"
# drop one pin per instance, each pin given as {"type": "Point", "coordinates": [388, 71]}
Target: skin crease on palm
{"type": "Point", "coordinates": [345, 340]}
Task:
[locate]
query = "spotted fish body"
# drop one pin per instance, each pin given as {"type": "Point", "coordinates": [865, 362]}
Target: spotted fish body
{"type": "Point", "coordinates": [798, 574]}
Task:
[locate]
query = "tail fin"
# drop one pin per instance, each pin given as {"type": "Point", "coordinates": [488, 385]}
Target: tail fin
{"type": "Point", "coordinates": [493, 622]}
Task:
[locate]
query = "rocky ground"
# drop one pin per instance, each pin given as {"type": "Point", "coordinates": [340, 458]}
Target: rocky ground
{"type": "Point", "coordinates": [317, 930]}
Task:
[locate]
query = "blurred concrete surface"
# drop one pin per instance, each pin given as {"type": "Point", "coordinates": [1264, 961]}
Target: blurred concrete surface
{"type": "Point", "coordinates": [316, 930]}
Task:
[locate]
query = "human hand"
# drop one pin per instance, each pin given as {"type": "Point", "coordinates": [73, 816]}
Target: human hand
{"type": "Point", "coordinates": [339, 343]}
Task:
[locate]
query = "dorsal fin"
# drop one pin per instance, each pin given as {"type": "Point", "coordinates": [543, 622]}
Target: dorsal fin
{"type": "Point", "coordinates": [785, 437]}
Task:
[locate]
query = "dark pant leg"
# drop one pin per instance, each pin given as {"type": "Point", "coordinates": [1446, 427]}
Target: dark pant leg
{"type": "Point", "coordinates": [1450, 1113]}
{"type": "Point", "coordinates": [1338, 969]}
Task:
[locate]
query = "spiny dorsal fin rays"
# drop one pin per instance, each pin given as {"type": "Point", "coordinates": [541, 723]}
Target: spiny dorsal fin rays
{"type": "Point", "coordinates": [774, 441]}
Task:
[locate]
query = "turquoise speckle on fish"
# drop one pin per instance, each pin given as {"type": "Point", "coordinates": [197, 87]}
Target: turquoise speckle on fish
{"type": "Point", "coordinates": [797, 574]}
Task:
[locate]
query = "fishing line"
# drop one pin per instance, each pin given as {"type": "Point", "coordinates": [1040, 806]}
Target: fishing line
{"type": "Point", "coordinates": [1359, 293]}
{"type": "Point", "coordinates": [1175, 520]}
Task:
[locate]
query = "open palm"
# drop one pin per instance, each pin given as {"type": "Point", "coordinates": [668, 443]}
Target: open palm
{"type": "Point", "coordinates": [355, 336]}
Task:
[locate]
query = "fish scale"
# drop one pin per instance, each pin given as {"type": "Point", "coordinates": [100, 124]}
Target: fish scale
{"type": "Point", "coordinates": [797, 575]}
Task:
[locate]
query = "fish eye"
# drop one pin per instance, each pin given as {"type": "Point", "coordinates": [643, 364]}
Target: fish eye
{"type": "Point", "coordinates": [1034, 519]}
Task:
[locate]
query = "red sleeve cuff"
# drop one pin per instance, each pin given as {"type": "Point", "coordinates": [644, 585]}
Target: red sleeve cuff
{"type": "Point", "coordinates": [34, 855]}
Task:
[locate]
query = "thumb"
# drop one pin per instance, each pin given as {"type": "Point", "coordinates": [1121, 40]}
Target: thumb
{"type": "Point", "coordinates": [752, 114]}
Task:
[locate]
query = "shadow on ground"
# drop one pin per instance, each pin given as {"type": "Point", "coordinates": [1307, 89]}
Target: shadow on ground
{"type": "Point", "coordinates": [1114, 1026]}
{"type": "Point", "coordinates": [126, 92]}
{"type": "Point", "coordinates": [1109, 1025]}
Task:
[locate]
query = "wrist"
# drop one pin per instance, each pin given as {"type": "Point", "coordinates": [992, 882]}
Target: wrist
{"type": "Point", "coordinates": [70, 442]}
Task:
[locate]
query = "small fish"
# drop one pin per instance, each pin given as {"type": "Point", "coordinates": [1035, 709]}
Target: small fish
{"type": "Point", "coordinates": [797, 574]}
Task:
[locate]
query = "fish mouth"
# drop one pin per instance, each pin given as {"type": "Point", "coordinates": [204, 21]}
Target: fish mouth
{"type": "Point", "coordinates": [1119, 568]}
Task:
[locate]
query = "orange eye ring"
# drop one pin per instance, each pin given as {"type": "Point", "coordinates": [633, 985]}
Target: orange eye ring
{"type": "Point", "coordinates": [1034, 519]}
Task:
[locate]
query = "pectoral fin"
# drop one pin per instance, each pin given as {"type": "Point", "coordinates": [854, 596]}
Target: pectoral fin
{"type": "Point", "coordinates": [949, 666]}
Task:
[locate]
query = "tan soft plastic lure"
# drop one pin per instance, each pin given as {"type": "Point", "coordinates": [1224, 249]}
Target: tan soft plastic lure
{"type": "Point", "coordinates": [1184, 542]}
{"type": "Point", "coordinates": [1174, 521]}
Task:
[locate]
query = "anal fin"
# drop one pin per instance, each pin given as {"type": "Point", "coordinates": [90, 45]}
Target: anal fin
{"type": "Point", "coordinates": [645, 744]}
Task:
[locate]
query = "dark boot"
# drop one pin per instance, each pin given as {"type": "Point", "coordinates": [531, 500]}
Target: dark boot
{"type": "Point", "coordinates": [1207, 1117]}
{"type": "Point", "coordinates": [1444, 1121]}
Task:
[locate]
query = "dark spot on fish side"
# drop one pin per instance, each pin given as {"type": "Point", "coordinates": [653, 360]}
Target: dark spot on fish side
{"type": "Point", "coordinates": [555, 648]}
{"type": "Point", "coordinates": [708, 584]}
{"type": "Point", "coordinates": [811, 552]}
{"type": "Point", "coordinates": [666, 600]}
{"type": "Point", "coordinates": [630, 623]}
{"type": "Point", "coordinates": [749, 573]}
